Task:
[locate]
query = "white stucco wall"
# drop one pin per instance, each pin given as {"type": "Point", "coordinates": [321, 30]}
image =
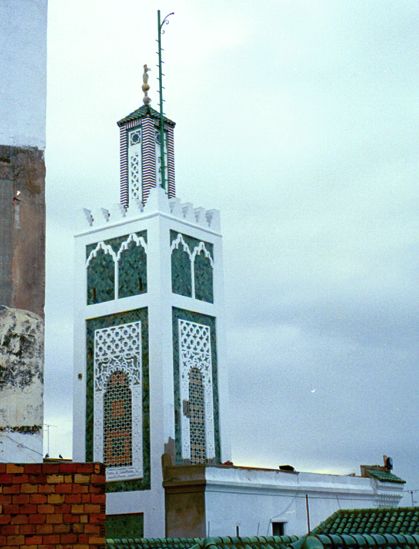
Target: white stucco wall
{"type": "Point", "coordinates": [254, 498]}
{"type": "Point", "coordinates": [23, 43]}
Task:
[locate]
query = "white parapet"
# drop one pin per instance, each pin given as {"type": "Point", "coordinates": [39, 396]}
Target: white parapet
{"type": "Point", "coordinates": [158, 201]}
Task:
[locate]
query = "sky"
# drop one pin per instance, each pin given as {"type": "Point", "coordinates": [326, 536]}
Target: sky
{"type": "Point", "coordinates": [298, 120]}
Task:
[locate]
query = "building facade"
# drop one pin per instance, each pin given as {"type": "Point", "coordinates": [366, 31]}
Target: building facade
{"type": "Point", "coordinates": [23, 33]}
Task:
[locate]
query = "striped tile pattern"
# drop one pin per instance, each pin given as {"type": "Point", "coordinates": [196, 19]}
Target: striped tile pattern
{"type": "Point", "coordinates": [123, 161]}
{"type": "Point", "coordinates": [149, 157]}
{"type": "Point", "coordinates": [171, 189]}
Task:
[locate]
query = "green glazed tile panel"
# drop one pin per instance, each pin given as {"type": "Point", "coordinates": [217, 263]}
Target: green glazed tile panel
{"type": "Point", "coordinates": [204, 290]}
{"type": "Point", "coordinates": [132, 268]}
{"type": "Point", "coordinates": [181, 272]}
{"type": "Point", "coordinates": [104, 322]}
{"type": "Point", "coordinates": [132, 271]}
{"type": "Point", "coordinates": [182, 268]}
{"type": "Point", "coordinates": [100, 276]}
{"type": "Point", "coordinates": [208, 321]}
{"type": "Point", "coordinates": [385, 476]}
{"type": "Point", "coordinates": [124, 526]}
{"type": "Point", "coordinates": [394, 520]}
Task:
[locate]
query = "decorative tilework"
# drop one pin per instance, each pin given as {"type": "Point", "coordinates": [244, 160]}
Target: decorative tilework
{"type": "Point", "coordinates": [124, 526]}
{"type": "Point", "coordinates": [194, 351]}
{"type": "Point", "coordinates": [203, 277]}
{"type": "Point", "coordinates": [117, 268]}
{"type": "Point", "coordinates": [117, 421]}
{"type": "Point", "coordinates": [104, 334]}
{"type": "Point", "coordinates": [100, 273]}
{"type": "Point", "coordinates": [132, 261]}
{"type": "Point", "coordinates": [192, 267]}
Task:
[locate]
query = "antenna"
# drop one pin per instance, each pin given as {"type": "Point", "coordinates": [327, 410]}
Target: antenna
{"type": "Point", "coordinates": [160, 25]}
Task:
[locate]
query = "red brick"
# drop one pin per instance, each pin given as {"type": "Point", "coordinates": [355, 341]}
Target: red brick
{"type": "Point", "coordinates": [28, 488]}
{"type": "Point", "coordinates": [35, 540]}
{"type": "Point", "coordinates": [71, 518]}
{"type": "Point", "coordinates": [37, 519]}
{"type": "Point", "coordinates": [4, 519]}
{"type": "Point", "coordinates": [72, 498]}
{"type": "Point", "coordinates": [26, 528]}
{"type": "Point", "coordinates": [96, 540]}
{"type": "Point", "coordinates": [78, 528]}
{"type": "Point", "coordinates": [51, 538]}
{"type": "Point", "coordinates": [92, 508]}
{"type": "Point", "coordinates": [2, 468]}
{"type": "Point", "coordinates": [61, 528]}
{"type": "Point", "coordinates": [68, 538]}
{"type": "Point", "coordinates": [98, 498]}
{"type": "Point", "coordinates": [37, 498]}
{"type": "Point", "coordinates": [45, 509]}
{"type": "Point", "coordinates": [83, 538]}
{"type": "Point", "coordinates": [10, 509]}
{"type": "Point", "coordinates": [56, 518]}
{"type": "Point", "coordinates": [46, 489]}
{"type": "Point", "coordinates": [21, 519]}
{"type": "Point", "coordinates": [15, 540]}
{"type": "Point", "coordinates": [97, 519]}
{"type": "Point", "coordinates": [15, 489]}
{"type": "Point", "coordinates": [6, 479]}
{"type": "Point", "coordinates": [78, 488]}
{"type": "Point", "coordinates": [92, 529]}
{"type": "Point", "coordinates": [64, 488]}
{"type": "Point", "coordinates": [5, 499]}
{"type": "Point", "coordinates": [20, 479]}
{"type": "Point", "coordinates": [27, 509]}
{"type": "Point", "coordinates": [34, 468]}
{"type": "Point", "coordinates": [20, 498]}
{"type": "Point", "coordinates": [44, 528]}
{"type": "Point", "coordinates": [98, 479]}
{"type": "Point", "coordinates": [10, 529]}
{"type": "Point", "coordinates": [55, 498]}
{"type": "Point", "coordinates": [2, 540]}
{"type": "Point", "coordinates": [14, 469]}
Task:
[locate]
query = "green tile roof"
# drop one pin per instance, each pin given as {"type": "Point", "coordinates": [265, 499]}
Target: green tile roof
{"type": "Point", "coordinates": [143, 111]}
{"type": "Point", "coordinates": [393, 541]}
{"type": "Point", "coordinates": [384, 476]}
{"type": "Point", "coordinates": [270, 542]}
{"type": "Point", "coordinates": [396, 520]}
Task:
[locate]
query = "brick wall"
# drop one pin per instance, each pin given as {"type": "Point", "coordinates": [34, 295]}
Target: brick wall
{"type": "Point", "coordinates": [52, 505]}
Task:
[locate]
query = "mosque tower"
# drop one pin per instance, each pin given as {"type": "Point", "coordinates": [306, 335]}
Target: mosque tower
{"type": "Point", "coordinates": [150, 379]}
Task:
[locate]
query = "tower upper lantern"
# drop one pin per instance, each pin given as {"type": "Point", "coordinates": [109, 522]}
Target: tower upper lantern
{"type": "Point", "coordinates": [140, 155]}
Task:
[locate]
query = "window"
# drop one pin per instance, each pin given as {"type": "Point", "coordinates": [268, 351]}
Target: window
{"type": "Point", "coordinates": [278, 528]}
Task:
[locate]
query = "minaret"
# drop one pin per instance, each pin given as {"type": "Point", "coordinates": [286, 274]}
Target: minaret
{"type": "Point", "coordinates": [140, 152]}
{"type": "Point", "coordinates": [150, 377]}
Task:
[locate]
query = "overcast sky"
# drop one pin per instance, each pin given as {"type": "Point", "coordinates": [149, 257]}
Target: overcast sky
{"type": "Point", "coordinates": [299, 121]}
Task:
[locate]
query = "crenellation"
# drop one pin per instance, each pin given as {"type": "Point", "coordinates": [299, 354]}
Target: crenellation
{"type": "Point", "coordinates": [157, 201]}
{"type": "Point", "coordinates": [188, 212]}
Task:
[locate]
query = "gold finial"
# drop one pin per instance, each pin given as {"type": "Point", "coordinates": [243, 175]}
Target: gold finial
{"type": "Point", "coordinates": [146, 86]}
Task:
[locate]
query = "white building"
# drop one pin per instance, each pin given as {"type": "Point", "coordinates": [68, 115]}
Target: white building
{"type": "Point", "coordinates": [150, 380]}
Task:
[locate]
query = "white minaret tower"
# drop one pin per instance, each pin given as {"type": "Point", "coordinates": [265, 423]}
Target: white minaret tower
{"type": "Point", "coordinates": [149, 371]}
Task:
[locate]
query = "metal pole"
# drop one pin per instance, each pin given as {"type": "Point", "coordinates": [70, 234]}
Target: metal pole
{"type": "Point", "coordinates": [162, 159]}
{"type": "Point", "coordinates": [308, 515]}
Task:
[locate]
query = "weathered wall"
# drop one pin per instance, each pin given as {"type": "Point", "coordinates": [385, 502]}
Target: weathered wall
{"type": "Point", "coordinates": [21, 385]}
{"type": "Point", "coordinates": [22, 228]}
{"type": "Point", "coordinates": [52, 505]}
